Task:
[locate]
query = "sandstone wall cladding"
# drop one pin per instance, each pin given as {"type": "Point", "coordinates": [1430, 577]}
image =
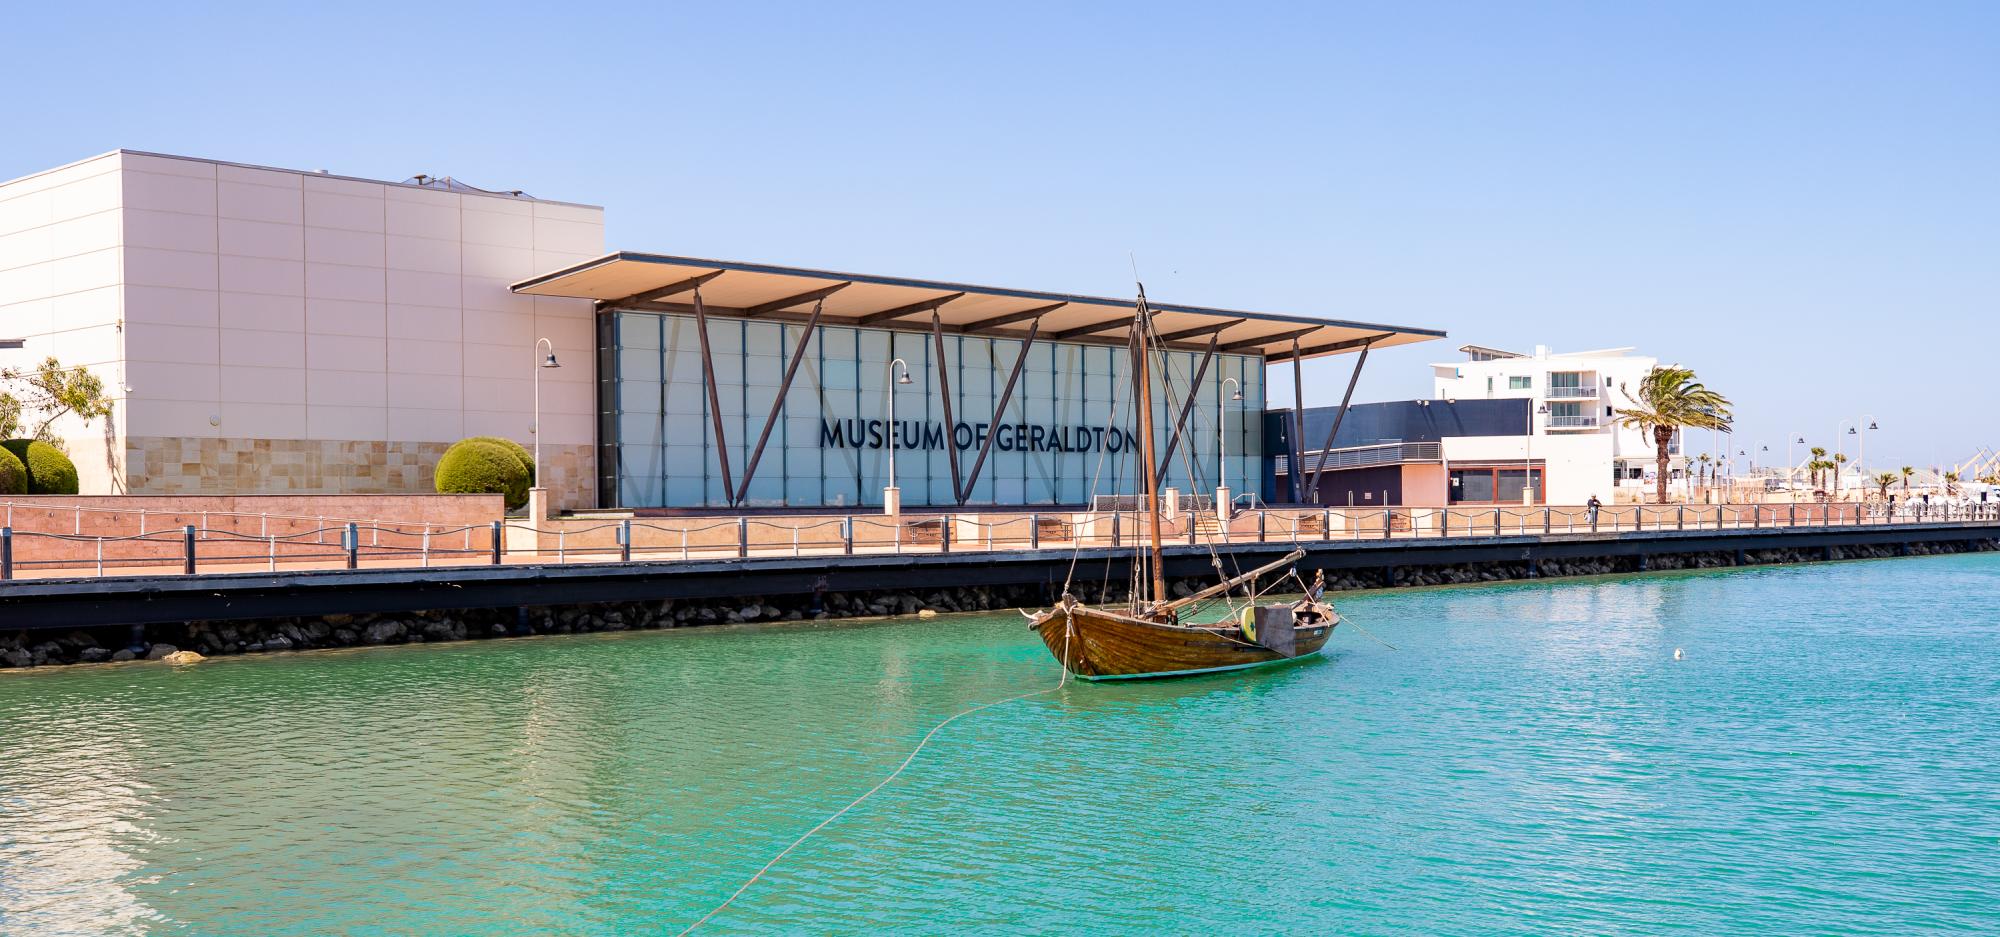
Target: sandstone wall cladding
{"type": "Point", "coordinates": [232, 466]}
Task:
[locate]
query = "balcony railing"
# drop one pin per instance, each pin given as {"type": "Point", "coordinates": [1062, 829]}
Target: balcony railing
{"type": "Point", "coordinates": [1573, 393]}
{"type": "Point", "coordinates": [1394, 453]}
{"type": "Point", "coordinates": [1586, 421]}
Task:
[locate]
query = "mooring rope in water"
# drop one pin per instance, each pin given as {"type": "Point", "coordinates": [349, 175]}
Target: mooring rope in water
{"type": "Point", "coordinates": [856, 802]}
{"type": "Point", "coordinates": [1357, 626]}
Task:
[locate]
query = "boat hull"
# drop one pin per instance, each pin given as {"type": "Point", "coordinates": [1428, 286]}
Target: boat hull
{"type": "Point", "coordinates": [1098, 644]}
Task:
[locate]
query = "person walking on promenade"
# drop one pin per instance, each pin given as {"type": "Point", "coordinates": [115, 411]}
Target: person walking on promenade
{"type": "Point", "coordinates": [1591, 506]}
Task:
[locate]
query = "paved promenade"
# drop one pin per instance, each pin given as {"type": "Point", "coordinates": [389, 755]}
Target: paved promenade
{"type": "Point", "coordinates": [46, 554]}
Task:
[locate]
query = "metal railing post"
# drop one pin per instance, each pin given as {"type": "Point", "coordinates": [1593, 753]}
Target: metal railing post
{"type": "Point", "coordinates": [1792, 514]}
{"type": "Point", "coordinates": [497, 534]}
{"type": "Point", "coordinates": [742, 536]}
{"type": "Point", "coordinates": [847, 535]}
{"type": "Point", "coordinates": [350, 540]}
{"type": "Point", "coordinates": [1116, 538]}
{"type": "Point", "coordinates": [1326, 524]}
{"type": "Point", "coordinates": [187, 549]}
{"type": "Point", "coordinates": [1546, 520]}
{"type": "Point", "coordinates": [1388, 522]}
{"type": "Point", "coordinates": [625, 540]}
{"type": "Point", "coordinates": [1680, 517]}
{"type": "Point", "coordinates": [6, 552]}
{"type": "Point", "coordinates": [1496, 522]}
{"type": "Point", "coordinates": [1261, 515]}
{"type": "Point", "coordinates": [1035, 531]}
{"type": "Point", "coordinates": [944, 534]}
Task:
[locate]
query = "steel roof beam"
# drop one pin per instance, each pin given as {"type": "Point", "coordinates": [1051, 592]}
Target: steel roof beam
{"type": "Point", "coordinates": [799, 300]}
{"type": "Point", "coordinates": [899, 312]}
{"type": "Point", "coordinates": [1009, 318]}
{"type": "Point", "coordinates": [1105, 326]}
{"type": "Point", "coordinates": [1249, 343]}
{"type": "Point", "coordinates": [1298, 352]}
{"type": "Point", "coordinates": [671, 289]}
{"type": "Point", "coordinates": [1209, 329]}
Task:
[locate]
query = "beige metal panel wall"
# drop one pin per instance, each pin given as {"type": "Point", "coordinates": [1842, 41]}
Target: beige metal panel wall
{"type": "Point", "coordinates": [60, 272]}
{"type": "Point", "coordinates": [354, 326]}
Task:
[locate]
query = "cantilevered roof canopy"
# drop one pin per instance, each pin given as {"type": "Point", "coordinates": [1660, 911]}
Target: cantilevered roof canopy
{"type": "Point", "coordinates": [661, 283]}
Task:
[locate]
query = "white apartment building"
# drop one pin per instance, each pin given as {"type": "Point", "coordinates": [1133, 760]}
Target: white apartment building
{"type": "Point", "coordinates": [1570, 394]}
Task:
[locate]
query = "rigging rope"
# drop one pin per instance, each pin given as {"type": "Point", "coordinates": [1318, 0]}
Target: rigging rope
{"type": "Point", "coordinates": [1068, 630]}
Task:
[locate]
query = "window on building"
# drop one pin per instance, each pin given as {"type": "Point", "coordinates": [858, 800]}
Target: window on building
{"type": "Point", "coordinates": [1495, 484]}
{"type": "Point", "coordinates": [1522, 382]}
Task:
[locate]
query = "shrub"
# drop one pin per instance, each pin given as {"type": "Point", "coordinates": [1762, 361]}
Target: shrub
{"type": "Point", "coordinates": [13, 475]}
{"type": "Point", "coordinates": [473, 466]}
{"type": "Point", "coordinates": [49, 471]}
{"type": "Point", "coordinates": [520, 452]}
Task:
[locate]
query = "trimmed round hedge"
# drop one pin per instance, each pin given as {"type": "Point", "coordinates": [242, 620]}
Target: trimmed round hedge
{"type": "Point", "coordinates": [13, 475]}
{"type": "Point", "coordinates": [520, 452]}
{"type": "Point", "coordinates": [49, 471]}
{"type": "Point", "coordinates": [473, 467]}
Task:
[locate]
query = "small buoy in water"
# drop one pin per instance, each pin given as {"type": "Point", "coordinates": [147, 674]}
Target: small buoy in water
{"type": "Point", "coordinates": [926, 613]}
{"type": "Point", "coordinates": [1677, 654]}
{"type": "Point", "coordinates": [183, 657]}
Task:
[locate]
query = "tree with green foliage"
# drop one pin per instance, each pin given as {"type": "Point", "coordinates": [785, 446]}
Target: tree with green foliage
{"type": "Point", "coordinates": [1669, 400]}
{"type": "Point", "coordinates": [51, 391]}
{"type": "Point", "coordinates": [1883, 481]}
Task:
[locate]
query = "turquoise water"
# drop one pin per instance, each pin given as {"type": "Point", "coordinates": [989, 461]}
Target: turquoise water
{"type": "Point", "coordinates": [1530, 758]}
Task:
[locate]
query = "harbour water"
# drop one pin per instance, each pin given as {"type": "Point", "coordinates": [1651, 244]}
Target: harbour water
{"type": "Point", "coordinates": [1529, 757]}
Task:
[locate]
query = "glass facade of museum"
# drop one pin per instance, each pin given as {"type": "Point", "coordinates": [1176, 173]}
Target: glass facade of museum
{"type": "Point", "coordinates": [1070, 419]}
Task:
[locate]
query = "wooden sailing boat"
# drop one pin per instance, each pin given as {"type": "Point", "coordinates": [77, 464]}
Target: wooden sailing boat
{"type": "Point", "coordinates": [1147, 638]}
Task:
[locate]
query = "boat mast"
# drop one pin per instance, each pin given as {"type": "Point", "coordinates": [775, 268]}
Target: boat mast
{"type": "Point", "coordinates": [1143, 324]}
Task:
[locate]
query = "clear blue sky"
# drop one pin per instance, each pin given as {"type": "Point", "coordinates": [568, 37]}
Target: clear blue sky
{"type": "Point", "coordinates": [1800, 200]}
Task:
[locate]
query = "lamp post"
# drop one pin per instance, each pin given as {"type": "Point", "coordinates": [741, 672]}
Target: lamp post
{"type": "Point", "coordinates": [1222, 499]}
{"type": "Point", "coordinates": [892, 497]}
{"type": "Point", "coordinates": [1528, 483]}
{"type": "Point", "coordinates": [1791, 467]}
{"type": "Point", "coordinates": [538, 496]}
{"type": "Point", "coordinates": [1861, 432]}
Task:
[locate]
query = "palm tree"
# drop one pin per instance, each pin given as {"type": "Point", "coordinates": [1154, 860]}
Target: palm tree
{"type": "Point", "coordinates": [1818, 453]}
{"type": "Point", "coordinates": [1883, 481]}
{"type": "Point", "coordinates": [1839, 459]}
{"type": "Point", "coordinates": [1950, 484]}
{"type": "Point", "coordinates": [1669, 400]}
{"type": "Point", "coordinates": [1701, 471]}
{"type": "Point", "coordinates": [1907, 472]}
